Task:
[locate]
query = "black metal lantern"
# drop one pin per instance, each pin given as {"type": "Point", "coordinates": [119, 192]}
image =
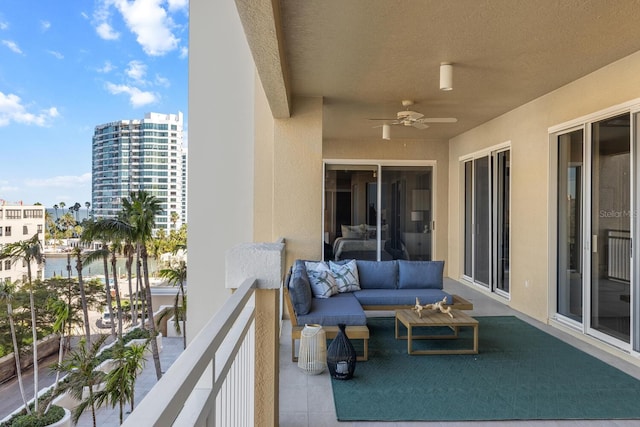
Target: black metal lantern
{"type": "Point", "coordinates": [341, 356]}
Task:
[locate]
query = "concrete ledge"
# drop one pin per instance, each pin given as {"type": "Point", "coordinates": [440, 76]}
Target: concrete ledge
{"type": "Point", "coordinates": [263, 261]}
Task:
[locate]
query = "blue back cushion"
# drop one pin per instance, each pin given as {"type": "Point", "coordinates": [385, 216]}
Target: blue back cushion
{"type": "Point", "coordinates": [300, 288]}
{"type": "Point", "coordinates": [377, 274]}
{"type": "Point", "coordinates": [420, 274]}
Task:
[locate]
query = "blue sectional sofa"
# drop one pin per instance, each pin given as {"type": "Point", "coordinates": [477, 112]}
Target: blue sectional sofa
{"type": "Point", "coordinates": [381, 285]}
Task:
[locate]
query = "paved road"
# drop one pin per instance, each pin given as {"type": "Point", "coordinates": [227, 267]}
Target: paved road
{"type": "Point", "coordinates": [10, 398]}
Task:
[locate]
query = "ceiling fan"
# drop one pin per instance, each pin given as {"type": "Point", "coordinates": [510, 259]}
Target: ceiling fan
{"type": "Point", "coordinates": [412, 118]}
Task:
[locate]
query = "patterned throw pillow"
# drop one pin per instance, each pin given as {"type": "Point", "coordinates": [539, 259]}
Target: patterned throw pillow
{"type": "Point", "coordinates": [323, 284]}
{"type": "Point", "coordinates": [346, 276]}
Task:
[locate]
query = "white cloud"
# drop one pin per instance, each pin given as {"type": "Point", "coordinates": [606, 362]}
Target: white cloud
{"type": "Point", "coordinates": [108, 67]}
{"type": "Point", "coordinates": [137, 97]}
{"type": "Point", "coordinates": [45, 25]}
{"type": "Point", "coordinates": [56, 54]}
{"type": "Point", "coordinates": [12, 110]}
{"type": "Point", "coordinates": [84, 15]}
{"type": "Point", "coordinates": [106, 32]}
{"type": "Point", "coordinates": [162, 81]}
{"type": "Point", "coordinates": [12, 45]}
{"type": "Point", "coordinates": [178, 4]}
{"type": "Point", "coordinates": [184, 52]}
{"type": "Point", "coordinates": [4, 25]}
{"type": "Point", "coordinates": [63, 181]}
{"type": "Point", "coordinates": [136, 71]}
{"type": "Point", "coordinates": [149, 21]}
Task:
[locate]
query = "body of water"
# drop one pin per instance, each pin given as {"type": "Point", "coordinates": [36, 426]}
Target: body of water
{"type": "Point", "coordinates": [56, 265]}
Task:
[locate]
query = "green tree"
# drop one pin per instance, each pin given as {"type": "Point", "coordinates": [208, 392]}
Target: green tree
{"type": "Point", "coordinates": [120, 382]}
{"type": "Point", "coordinates": [140, 210]}
{"type": "Point", "coordinates": [62, 312]}
{"type": "Point", "coordinates": [77, 252]}
{"type": "Point", "coordinates": [79, 367]}
{"type": "Point", "coordinates": [176, 275]}
{"type": "Point", "coordinates": [6, 296]}
{"type": "Point", "coordinates": [28, 251]}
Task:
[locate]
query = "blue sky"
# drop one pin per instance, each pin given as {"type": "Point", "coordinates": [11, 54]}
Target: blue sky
{"type": "Point", "coordinates": [69, 65]}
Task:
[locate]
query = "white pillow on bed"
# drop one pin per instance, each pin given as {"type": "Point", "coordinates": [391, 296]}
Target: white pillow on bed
{"type": "Point", "coordinates": [323, 283]}
{"type": "Point", "coordinates": [353, 231]}
{"type": "Point", "coordinates": [346, 276]}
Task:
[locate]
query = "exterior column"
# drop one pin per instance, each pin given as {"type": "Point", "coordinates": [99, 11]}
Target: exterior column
{"type": "Point", "coordinates": [264, 261]}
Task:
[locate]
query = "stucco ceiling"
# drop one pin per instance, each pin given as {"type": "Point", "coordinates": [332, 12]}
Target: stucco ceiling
{"type": "Point", "coordinates": [365, 56]}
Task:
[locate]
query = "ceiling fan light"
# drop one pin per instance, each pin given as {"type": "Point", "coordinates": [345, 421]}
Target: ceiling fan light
{"type": "Point", "coordinates": [386, 131]}
{"type": "Point", "coordinates": [446, 76]}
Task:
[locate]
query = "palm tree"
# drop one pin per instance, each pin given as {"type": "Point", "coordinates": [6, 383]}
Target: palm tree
{"type": "Point", "coordinates": [99, 230]}
{"type": "Point", "coordinates": [77, 252]}
{"type": "Point", "coordinates": [177, 275]}
{"type": "Point", "coordinates": [121, 381]}
{"type": "Point", "coordinates": [87, 205]}
{"type": "Point", "coordinates": [76, 208]}
{"type": "Point", "coordinates": [6, 295]}
{"type": "Point", "coordinates": [28, 251]}
{"type": "Point", "coordinates": [141, 211]}
{"type": "Point", "coordinates": [63, 313]}
{"type": "Point", "coordinates": [79, 365]}
{"type": "Point", "coordinates": [55, 207]}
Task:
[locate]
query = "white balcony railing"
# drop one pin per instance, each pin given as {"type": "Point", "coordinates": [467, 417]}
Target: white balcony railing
{"type": "Point", "coordinates": [212, 381]}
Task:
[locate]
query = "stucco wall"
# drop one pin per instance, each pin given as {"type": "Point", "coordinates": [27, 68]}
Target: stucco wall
{"type": "Point", "coordinates": [403, 150]}
{"type": "Point", "coordinates": [297, 180]}
{"type": "Point", "coordinates": [527, 129]}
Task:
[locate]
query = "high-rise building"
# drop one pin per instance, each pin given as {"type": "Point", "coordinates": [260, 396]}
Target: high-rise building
{"type": "Point", "coordinates": [134, 155]}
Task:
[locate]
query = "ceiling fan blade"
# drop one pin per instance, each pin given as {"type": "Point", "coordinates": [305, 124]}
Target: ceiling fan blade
{"type": "Point", "coordinates": [439, 120]}
{"type": "Point", "coordinates": [419, 125]}
{"type": "Point", "coordinates": [409, 115]}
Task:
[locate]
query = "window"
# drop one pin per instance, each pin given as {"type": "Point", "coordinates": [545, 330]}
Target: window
{"type": "Point", "coordinates": [33, 213]}
{"type": "Point", "coordinates": [39, 228]}
{"type": "Point", "coordinates": [7, 264]}
{"type": "Point", "coordinates": [13, 214]}
{"type": "Point", "coordinates": [25, 229]}
{"type": "Point", "coordinates": [7, 230]}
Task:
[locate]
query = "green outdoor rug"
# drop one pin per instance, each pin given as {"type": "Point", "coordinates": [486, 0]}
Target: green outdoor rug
{"type": "Point", "coordinates": [521, 373]}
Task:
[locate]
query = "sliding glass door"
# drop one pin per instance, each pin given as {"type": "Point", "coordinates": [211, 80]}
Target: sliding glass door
{"type": "Point", "coordinates": [570, 241]}
{"type": "Point", "coordinates": [594, 228]}
{"type": "Point", "coordinates": [611, 227]}
{"type": "Point", "coordinates": [378, 212]}
{"type": "Point", "coordinates": [486, 222]}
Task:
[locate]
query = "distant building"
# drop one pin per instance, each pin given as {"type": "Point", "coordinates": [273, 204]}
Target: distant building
{"type": "Point", "coordinates": [19, 222]}
{"type": "Point", "coordinates": [135, 155]}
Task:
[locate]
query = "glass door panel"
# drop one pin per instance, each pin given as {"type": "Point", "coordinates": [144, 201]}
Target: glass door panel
{"type": "Point", "coordinates": [406, 212]}
{"type": "Point", "coordinates": [570, 242]}
{"type": "Point", "coordinates": [482, 221]}
{"type": "Point", "coordinates": [502, 219]}
{"type": "Point", "coordinates": [611, 227]}
{"type": "Point", "coordinates": [468, 219]}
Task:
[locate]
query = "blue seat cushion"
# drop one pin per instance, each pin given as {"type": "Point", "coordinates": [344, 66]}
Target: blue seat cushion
{"type": "Point", "coordinates": [340, 308]}
{"type": "Point", "coordinates": [377, 274]}
{"type": "Point", "coordinates": [420, 274]}
{"type": "Point", "coordinates": [300, 288]}
{"type": "Point", "coordinates": [372, 297]}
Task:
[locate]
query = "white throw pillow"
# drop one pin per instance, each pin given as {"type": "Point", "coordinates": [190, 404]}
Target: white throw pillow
{"type": "Point", "coordinates": [323, 284]}
{"type": "Point", "coordinates": [346, 276]}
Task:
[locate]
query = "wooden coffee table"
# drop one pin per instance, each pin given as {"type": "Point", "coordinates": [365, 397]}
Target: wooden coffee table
{"type": "Point", "coordinates": [410, 320]}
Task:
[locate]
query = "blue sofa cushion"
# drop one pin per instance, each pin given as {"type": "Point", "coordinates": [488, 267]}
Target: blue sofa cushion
{"type": "Point", "coordinates": [420, 274]}
{"type": "Point", "coordinates": [377, 274]}
{"type": "Point", "coordinates": [401, 296]}
{"type": "Point", "coordinates": [340, 308]}
{"type": "Point", "coordinates": [300, 288]}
